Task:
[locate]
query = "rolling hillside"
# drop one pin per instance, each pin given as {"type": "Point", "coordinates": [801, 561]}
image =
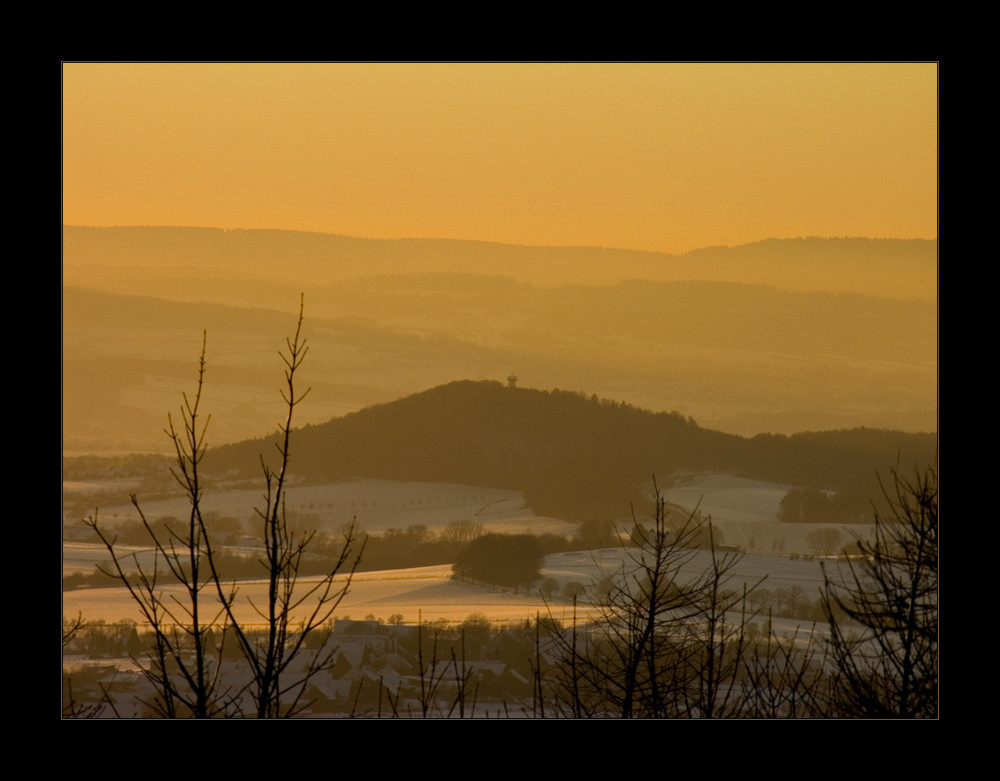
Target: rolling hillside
{"type": "Point", "coordinates": [573, 456]}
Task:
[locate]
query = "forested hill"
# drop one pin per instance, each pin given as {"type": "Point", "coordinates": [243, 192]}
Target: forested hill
{"type": "Point", "coordinates": [574, 456]}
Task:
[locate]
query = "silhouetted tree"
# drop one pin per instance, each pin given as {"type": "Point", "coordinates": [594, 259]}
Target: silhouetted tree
{"type": "Point", "coordinates": [824, 541]}
{"type": "Point", "coordinates": [184, 660]}
{"type": "Point", "coordinates": [181, 666]}
{"type": "Point", "coordinates": [667, 642]}
{"type": "Point", "coordinates": [883, 609]}
{"type": "Point", "coordinates": [782, 678]}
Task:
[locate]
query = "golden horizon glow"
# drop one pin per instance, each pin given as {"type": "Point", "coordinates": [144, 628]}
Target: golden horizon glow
{"type": "Point", "coordinates": [664, 157]}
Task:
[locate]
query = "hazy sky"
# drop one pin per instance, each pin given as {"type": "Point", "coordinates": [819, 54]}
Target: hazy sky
{"type": "Point", "coordinates": [667, 157]}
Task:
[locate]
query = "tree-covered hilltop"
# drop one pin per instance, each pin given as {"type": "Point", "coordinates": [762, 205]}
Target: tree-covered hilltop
{"type": "Point", "coordinates": [573, 456]}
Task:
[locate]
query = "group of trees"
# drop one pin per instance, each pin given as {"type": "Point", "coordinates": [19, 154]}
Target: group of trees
{"type": "Point", "coordinates": [670, 640]}
{"type": "Point", "coordinates": [890, 667]}
{"type": "Point", "coordinates": [224, 528]}
{"type": "Point", "coordinates": [513, 560]}
{"type": "Point", "coordinates": [811, 505]}
{"type": "Point", "coordinates": [665, 644]}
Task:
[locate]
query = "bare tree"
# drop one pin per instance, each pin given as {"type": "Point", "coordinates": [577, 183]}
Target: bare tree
{"type": "Point", "coordinates": [783, 678]}
{"type": "Point", "coordinates": [181, 667]}
{"type": "Point", "coordinates": [883, 609]}
{"type": "Point", "coordinates": [716, 638]}
{"type": "Point", "coordinates": [435, 673]}
{"type": "Point", "coordinates": [184, 664]}
{"type": "Point", "coordinates": [70, 628]}
{"type": "Point", "coordinates": [824, 541]}
{"type": "Point", "coordinates": [462, 531]}
{"type": "Point", "coordinates": [669, 638]}
{"type": "Point", "coordinates": [72, 709]}
{"type": "Point", "coordinates": [294, 609]}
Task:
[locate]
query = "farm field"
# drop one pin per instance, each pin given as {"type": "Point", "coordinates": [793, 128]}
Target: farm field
{"type": "Point", "coordinates": [746, 512]}
{"type": "Point", "coordinates": [426, 593]}
{"type": "Point", "coordinates": [743, 510]}
{"type": "Point", "coordinates": [429, 593]}
{"type": "Point", "coordinates": [376, 506]}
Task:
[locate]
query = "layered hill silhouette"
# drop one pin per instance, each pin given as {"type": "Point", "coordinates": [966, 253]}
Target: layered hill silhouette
{"type": "Point", "coordinates": [573, 456]}
{"type": "Point", "coordinates": [890, 268]}
{"type": "Point", "coordinates": [779, 335]}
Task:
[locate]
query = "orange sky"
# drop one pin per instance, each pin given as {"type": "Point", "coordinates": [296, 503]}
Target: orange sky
{"type": "Point", "coordinates": [666, 157]}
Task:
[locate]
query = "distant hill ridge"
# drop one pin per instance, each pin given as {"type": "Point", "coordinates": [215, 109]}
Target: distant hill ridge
{"type": "Point", "coordinates": [904, 268]}
{"type": "Point", "coordinates": [574, 456]}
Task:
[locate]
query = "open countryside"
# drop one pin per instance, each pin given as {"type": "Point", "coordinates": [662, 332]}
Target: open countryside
{"type": "Point", "coordinates": [745, 511]}
{"type": "Point", "coordinates": [499, 390]}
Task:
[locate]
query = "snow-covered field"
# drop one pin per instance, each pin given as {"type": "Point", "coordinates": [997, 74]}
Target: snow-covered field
{"type": "Point", "coordinates": [727, 498]}
{"type": "Point", "coordinates": [744, 510]}
{"type": "Point", "coordinates": [426, 593]}
{"type": "Point", "coordinates": [376, 505]}
{"type": "Point", "coordinates": [430, 593]}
